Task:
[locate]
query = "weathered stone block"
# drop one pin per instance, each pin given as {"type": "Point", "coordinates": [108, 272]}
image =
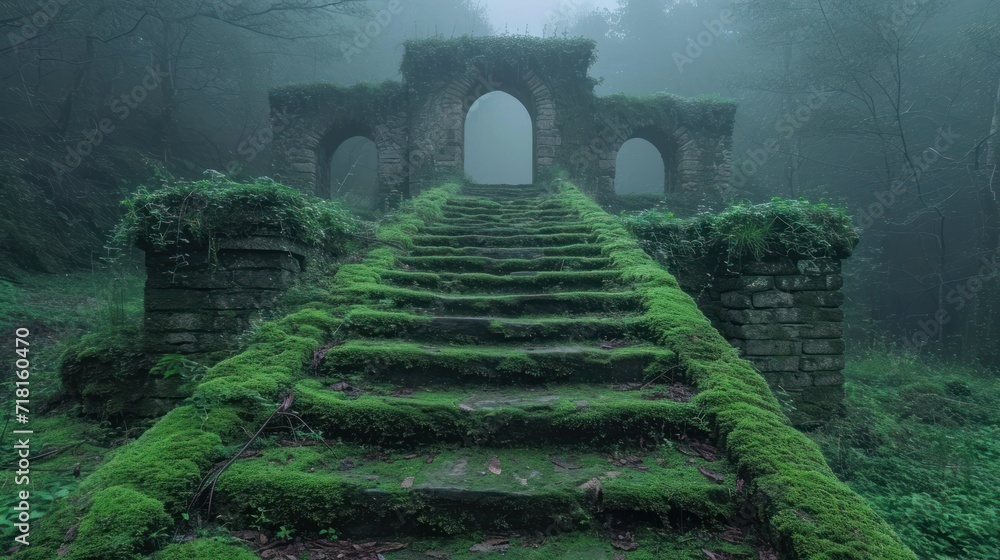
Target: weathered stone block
{"type": "Point", "coordinates": [822, 330]}
{"type": "Point", "coordinates": [761, 331]}
{"type": "Point", "coordinates": [773, 299]}
{"type": "Point", "coordinates": [822, 363]}
{"type": "Point", "coordinates": [746, 284]}
{"type": "Point", "coordinates": [771, 348]}
{"type": "Point", "coordinates": [823, 346]}
{"type": "Point", "coordinates": [818, 299]}
{"type": "Point", "coordinates": [769, 364]}
{"type": "Point", "coordinates": [799, 282]}
{"type": "Point", "coordinates": [818, 266]}
{"type": "Point", "coordinates": [807, 314]}
{"type": "Point", "coordinates": [745, 316]}
{"type": "Point", "coordinates": [736, 300]}
{"type": "Point", "coordinates": [234, 260]}
{"type": "Point", "coordinates": [770, 267]}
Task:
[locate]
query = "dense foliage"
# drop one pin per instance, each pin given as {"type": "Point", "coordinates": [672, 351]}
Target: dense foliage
{"type": "Point", "coordinates": [204, 211]}
{"type": "Point", "coordinates": [921, 441]}
{"type": "Point", "coordinates": [781, 227]}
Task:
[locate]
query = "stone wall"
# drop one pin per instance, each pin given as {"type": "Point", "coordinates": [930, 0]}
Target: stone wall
{"type": "Point", "coordinates": [784, 316]}
{"type": "Point", "coordinates": [198, 303]}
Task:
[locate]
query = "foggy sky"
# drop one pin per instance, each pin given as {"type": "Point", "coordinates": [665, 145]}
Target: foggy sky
{"type": "Point", "coordinates": [515, 15]}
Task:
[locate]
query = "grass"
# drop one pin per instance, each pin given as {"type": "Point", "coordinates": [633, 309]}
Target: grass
{"type": "Point", "coordinates": [58, 309]}
{"type": "Point", "coordinates": [921, 441]}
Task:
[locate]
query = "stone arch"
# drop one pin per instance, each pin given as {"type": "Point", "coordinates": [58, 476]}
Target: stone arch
{"type": "Point", "coordinates": [451, 106]}
{"type": "Point", "coordinates": [327, 147]}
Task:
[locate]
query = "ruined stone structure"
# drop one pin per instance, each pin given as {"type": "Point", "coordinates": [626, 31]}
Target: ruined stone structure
{"type": "Point", "coordinates": [418, 126]}
{"type": "Point", "coordinates": [784, 316]}
{"type": "Point", "coordinates": [198, 306]}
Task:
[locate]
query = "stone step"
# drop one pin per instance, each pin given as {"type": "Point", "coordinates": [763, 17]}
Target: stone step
{"type": "Point", "coordinates": [519, 305]}
{"type": "Point", "coordinates": [510, 213]}
{"type": "Point", "coordinates": [412, 363]}
{"type": "Point", "coordinates": [520, 204]}
{"type": "Point", "coordinates": [356, 410]}
{"type": "Point", "coordinates": [368, 323]}
{"type": "Point", "coordinates": [548, 240]}
{"type": "Point", "coordinates": [462, 491]}
{"type": "Point", "coordinates": [501, 266]}
{"type": "Point", "coordinates": [579, 250]}
{"type": "Point", "coordinates": [518, 283]}
{"type": "Point", "coordinates": [480, 229]}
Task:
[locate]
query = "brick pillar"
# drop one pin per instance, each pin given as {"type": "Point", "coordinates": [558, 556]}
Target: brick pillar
{"type": "Point", "coordinates": [784, 316]}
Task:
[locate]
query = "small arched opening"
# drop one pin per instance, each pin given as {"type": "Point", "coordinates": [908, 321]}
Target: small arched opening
{"type": "Point", "coordinates": [353, 172]}
{"type": "Point", "coordinates": [499, 141]}
{"type": "Point", "coordinates": [640, 169]}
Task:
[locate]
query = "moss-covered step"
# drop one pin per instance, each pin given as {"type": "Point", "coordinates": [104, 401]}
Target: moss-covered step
{"type": "Point", "coordinates": [579, 250]}
{"type": "Point", "coordinates": [368, 323]}
{"type": "Point", "coordinates": [526, 282]}
{"type": "Point", "coordinates": [564, 227]}
{"type": "Point", "coordinates": [413, 363]}
{"type": "Point", "coordinates": [558, 541]}
{"type": "Point", "coordinates": [547, 240]}
{"type": "Point", "coordinates": [501, 266]}
{"type": "Point", "coordinates": [460, 491]}
{"type": "Point", "coordinates": [535, 203]}
{"type": "Point", "coordinates": [505, 192]}
{"type": "Point", "coordinates": [508, 215]}
{"type": "Point", "coordinates": [568, 304]}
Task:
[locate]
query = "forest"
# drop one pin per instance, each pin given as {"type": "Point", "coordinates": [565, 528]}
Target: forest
{"type": "Point", "coordinates": [404, 279]}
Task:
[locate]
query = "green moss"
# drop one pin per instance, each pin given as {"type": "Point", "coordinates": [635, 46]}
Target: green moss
{"type": "Point", "coordinates": [808, 512]}
{"type": "Point", "coordinates": [118, 526]}
{"type": "Point", "coordinates": [206, 549]}
{"type": "Point", "coordinates": [780, 228]}
{"type": "Point", "coordinates": [205, 211]}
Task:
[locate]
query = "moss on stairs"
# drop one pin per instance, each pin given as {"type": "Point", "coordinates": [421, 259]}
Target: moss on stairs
{"type": "Point", "coordinates": [496, 367]}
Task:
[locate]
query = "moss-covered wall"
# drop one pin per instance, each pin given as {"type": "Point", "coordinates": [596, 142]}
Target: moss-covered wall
{"type": "Point", "coordinates": [419, 125]}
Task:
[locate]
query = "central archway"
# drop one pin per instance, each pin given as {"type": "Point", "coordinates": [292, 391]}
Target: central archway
{"type": "Point", "coordinates": [499, 142]}
{"type": "Point", "coordinates": [639, 168]}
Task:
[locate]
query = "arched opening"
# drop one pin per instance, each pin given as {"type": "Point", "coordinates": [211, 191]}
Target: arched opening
{"type": "Point", "coordinates": [499, 142]}
{"type": "Point", "coordinates": [639, 168]}
{"type": "Point", "coordinates": [354, 172]}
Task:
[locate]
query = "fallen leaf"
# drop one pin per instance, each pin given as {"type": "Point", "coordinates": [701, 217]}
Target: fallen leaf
{"type": "Point", "coordinates": [706, 451]}
{"type": "Point", "coordinates": [410, 457]}
{"type": "Point", "coordinates": [430, 458]}
{"type": "Point", "coordinates": [407, 482]}
{"type": "Point", "coordinates": [494, 465]}
{"type": "Point", "coordinates": [712, 475]}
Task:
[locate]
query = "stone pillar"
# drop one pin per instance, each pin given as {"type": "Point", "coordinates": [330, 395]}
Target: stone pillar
{"type": "Point", "coordinates": [784, 316]}
{"type": "Point", "coordinates": [197, 303]}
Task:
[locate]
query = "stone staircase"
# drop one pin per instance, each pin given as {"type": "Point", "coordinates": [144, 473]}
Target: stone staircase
{"type": "Point", "coordinates": [499, 391]}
